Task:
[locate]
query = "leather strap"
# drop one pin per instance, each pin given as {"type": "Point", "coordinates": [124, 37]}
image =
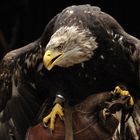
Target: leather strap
{"type": "Point", "coordinates": [68, 122]}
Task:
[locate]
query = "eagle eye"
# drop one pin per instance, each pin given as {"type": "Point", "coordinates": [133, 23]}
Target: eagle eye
{"type": "Point", "coordinates": [59, 47]}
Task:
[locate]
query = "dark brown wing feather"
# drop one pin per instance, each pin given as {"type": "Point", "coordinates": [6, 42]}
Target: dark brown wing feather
{"type": "Point", "coordinates": [19, 102]}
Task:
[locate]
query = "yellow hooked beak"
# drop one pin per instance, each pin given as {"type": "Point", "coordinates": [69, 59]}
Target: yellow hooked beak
{"type": "Point", "coordinates": [51, 58]}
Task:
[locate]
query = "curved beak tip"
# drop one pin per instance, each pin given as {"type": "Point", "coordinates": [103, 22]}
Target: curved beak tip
{"type": "Point", "coordinates": [47, 59]}
{"type": "Point", "coordinates": [51, 58]}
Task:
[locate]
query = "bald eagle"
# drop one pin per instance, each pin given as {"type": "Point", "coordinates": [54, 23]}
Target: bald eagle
{"type": "Point", "coordinates": [84, 50]}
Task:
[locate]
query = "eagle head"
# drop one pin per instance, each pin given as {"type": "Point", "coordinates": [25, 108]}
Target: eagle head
{"type": "Point", "coordinates": [69, 46]}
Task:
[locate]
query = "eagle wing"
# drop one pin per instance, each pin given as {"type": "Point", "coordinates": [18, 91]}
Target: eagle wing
{"type": "Point", "coordinates": [19, 103]}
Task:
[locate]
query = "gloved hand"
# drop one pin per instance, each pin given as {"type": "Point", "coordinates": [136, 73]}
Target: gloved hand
{"type": "Point", "coordinates": [93, 118]}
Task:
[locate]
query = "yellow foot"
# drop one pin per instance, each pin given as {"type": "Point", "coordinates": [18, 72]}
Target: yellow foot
{"type": "Point", "coordinates": [124, 92]}
{"type": "Point", "coordinates": [57, 110]}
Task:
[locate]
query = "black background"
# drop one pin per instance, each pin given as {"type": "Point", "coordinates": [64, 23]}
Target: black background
{"type": "Point", "coordinates": [31, 16]}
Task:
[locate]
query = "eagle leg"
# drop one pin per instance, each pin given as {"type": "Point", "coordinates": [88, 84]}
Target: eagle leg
{"type": "Point", "coordinates": [56, 110]}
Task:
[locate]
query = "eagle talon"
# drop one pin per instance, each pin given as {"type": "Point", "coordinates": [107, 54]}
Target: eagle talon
{"type": "Point", "coordinates": [45, 125]}
{"type": "Point", "coordinates": [51, 131]}
{"type": "Point", "coordinates": [63, 118]}
{"type": "Point", "coordinates": [57, 110]}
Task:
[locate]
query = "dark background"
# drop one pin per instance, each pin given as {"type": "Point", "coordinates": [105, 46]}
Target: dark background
{"type": "Point", "coordinates": [23, 21]}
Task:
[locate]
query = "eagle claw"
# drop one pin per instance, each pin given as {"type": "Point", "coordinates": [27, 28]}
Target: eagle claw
{"type": "Point", "coordinates": [57, 110]}
{"type": "Point", "coordinates": [45, 125]}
